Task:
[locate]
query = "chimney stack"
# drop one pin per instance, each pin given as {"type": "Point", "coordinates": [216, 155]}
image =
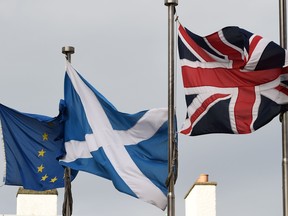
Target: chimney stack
{"type": "Point", "coordinates": [201, 198]}
{"type": "Point", "coordinates": [38, 203]}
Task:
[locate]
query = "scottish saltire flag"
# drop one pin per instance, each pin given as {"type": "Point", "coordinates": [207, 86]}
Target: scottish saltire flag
{"type": "Point", "coordinates": [32, 144]}
{"type": "Point", "coordinates": [128, 149]}
{"type": "Point", "coordinates": [234, 81]}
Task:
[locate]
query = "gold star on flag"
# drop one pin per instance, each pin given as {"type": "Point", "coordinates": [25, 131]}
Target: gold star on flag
{"type": "Point", "coordinates": [40, 168]}
{"type": "Point", "coordinates": [45, 137]}
{"type": "Point", "coordinates": [41, 153]}
{"type": "Point", "coordinates": [53, 179]}
{"type": "Point", "coordinates": [44, 177]}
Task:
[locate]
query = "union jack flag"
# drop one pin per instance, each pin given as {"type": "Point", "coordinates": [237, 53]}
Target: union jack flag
{"type": "Point", "coordinates": [234, 81]}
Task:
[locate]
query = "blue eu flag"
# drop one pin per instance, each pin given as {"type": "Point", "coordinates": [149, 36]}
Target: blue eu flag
{"type": "Point", "coordinates": [32, 144]}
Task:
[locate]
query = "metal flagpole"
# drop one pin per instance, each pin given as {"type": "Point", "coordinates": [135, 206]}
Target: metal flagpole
{"type": "Point", "coordinates": [171, 107]}
{"type": "Point", "coordinates": [67, 204]}
{"type": "Point", "coordinates": [283, 43]}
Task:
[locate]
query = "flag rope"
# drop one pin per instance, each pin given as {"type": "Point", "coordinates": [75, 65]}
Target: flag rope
{"type": "Point", "coordinates": [4, 156]}
{"type": "Point", "coordinates": [68, 201]}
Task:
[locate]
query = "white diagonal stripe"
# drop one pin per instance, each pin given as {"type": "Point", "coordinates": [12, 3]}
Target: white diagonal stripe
{"type": "Point", "coordinates": [104, 136]}
{"type": "Point", "coordinates": [257, 53]}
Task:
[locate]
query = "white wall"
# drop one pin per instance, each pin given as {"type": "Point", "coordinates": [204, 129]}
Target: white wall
{"type": "Point", "coordinates": [201, 198]}
{"type": "Point", "coordinates": [201, 201]}
{"type": "Point", "coordinates": [31, 203]}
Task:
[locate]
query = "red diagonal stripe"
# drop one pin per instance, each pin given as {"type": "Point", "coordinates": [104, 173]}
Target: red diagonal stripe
{"type": "Point", "coordinates": [194, 45]}
{"type": "Point", "coordinates": [282, 89]}
{"type": "Point", "coordinates": [253, 44]}
{"type": "Point", "coordinates": [223, 48]}
{"type": "Point", "coordinates": [202, 109]}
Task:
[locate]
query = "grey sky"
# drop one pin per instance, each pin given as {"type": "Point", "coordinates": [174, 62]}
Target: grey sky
{"type": "Point", "coordinates": [121, 49]}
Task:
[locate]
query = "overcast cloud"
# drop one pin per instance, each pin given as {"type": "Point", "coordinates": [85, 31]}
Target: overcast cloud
{"type": "Point", "coordinates": [121, 49]}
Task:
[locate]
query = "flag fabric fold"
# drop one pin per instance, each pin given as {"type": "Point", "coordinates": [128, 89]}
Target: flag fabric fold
{"type": "Point", "coordinates": [32, 144]}
{"type": "Point", "coordinates": [234, 81]}
{"type": "Point", "coordinates": [129, 149]}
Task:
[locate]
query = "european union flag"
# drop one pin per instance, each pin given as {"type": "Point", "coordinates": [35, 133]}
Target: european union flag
{"type": "Point", "coordinates": [32, 144]}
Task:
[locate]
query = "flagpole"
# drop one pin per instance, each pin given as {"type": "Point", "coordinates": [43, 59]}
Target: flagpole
{"type": "Point", "coordinates": [283, 43]}
{"type": "Point", "coordinates": [67, 204]}
{"type": "Point", "coordinates": [171, 106]}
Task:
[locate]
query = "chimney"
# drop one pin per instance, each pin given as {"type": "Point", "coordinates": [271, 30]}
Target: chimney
{"type": "Point", "coordinates": [38, 203]}
{"type": "Point", "coordinates": [201, 198]}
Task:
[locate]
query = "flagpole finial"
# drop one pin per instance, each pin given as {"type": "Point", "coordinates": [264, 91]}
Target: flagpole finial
{"type": "Point", "coordinates": [169, 2]}
{"type": "Point", "coordinates": [67, 51]}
